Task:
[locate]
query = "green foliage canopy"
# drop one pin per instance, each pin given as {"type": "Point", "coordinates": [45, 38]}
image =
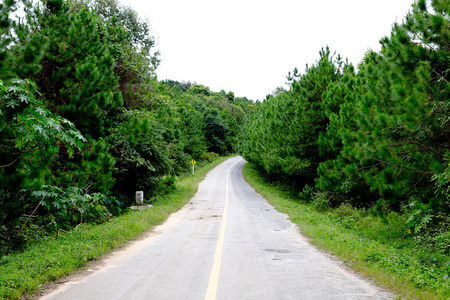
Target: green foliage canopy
{"type": "Point", "coordinates": [377, 137]}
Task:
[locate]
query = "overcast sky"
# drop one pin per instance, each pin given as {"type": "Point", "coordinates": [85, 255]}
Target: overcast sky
{"type": "Point", "coordinates": [249, 46]}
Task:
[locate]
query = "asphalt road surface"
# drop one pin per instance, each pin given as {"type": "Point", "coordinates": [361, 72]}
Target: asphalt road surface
{"type": "Point", "coordinates": [227, 243]}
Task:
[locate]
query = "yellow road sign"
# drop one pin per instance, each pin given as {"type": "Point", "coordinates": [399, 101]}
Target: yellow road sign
{"type": "Point", "coordinates": [193, 162]}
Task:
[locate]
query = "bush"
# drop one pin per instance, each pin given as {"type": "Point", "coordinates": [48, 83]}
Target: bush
{"type": "Point", "coordinates": [208, 156]}
{"type": "Point", "coordinates": [320, 201]}
{"type": "Point", "coordinates": [306, 195]}
{"type": "Point", "coordinates": [73, 205]}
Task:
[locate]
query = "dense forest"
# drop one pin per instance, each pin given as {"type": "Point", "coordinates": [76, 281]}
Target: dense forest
{"type": "Point", "coordinates": [374, 136]}
{"type": "Point", "coordinates": [84, 122]}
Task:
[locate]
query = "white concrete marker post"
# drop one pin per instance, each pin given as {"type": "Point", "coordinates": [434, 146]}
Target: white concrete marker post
{"type": "Point", "coordinates": [139, 197]}
{"type": "Point", "coordinates": [140, 201]}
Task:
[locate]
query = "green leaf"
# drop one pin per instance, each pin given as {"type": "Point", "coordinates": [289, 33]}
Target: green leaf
{"type": "Point", "coordinates": [12, 103]}
{"type": "Point", "coordinates": [17, 81]}
{"type": "Point", "coordinates": [13, 89]}
{"type": "Point", "coordinates": [24, 98]}
{"type": "Point", "coordinates": [2, 86]}
{"type": "Point", "coordinates": [41, 111]}
{"type": "Point", "coordinates": [38, 128]}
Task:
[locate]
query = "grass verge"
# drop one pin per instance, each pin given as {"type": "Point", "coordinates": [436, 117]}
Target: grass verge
{"type": "Point", "coordinates": [23, 273]}
{"type": "Point", "coordinates": [375, 247]}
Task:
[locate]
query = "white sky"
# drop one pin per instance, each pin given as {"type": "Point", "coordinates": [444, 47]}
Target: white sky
{"type": "Point", "coordinates": [249, 46]}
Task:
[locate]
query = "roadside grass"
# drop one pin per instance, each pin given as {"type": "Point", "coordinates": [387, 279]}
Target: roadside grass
{"type": "Point", "coordinates": [381, 249]}
{"type": "Point", "coordinates": [24, 273]}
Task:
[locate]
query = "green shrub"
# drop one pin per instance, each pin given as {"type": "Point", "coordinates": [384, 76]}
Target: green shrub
{"type": "Point", "coordinates": [320, 201]}
{"type": "Point", "coordinates": [306, 195]}
{"type": "Point", "coordinates": [208, 156]}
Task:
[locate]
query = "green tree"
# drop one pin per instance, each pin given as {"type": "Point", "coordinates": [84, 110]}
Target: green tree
{"type": "Point", "coordinates": [191, 129]}
{"type": "Point", "coordinates": [130, 44]}
{"type": "Point", "coordinates": [406, 113]}
{"type": "Point", "coordinates": [77, 77]}
{"type": "Point", "coordinates": [20, 52]}
{"type": "Point", "coordinates": [396, 144]}
{"type": "Point", "coordinates": [141, 152]}
{"type": "Point", "coordinates": [30, 140]}
{"type": "Point", "coordinates": [216, 131]}
{"type": "Point", "coordinates": [30, 135]}
{"type": "Point", "coordinates": [285, 131]}
{"type": "Point", "coordinates": [198, 89]}
{"type": "Point", "coordinates": [77, 81]}
{"type": "Point", "coordinates": [341, 172]}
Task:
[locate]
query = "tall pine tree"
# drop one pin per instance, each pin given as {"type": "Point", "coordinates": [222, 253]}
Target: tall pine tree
{"type": "Point", "coordinates": [77, 81]}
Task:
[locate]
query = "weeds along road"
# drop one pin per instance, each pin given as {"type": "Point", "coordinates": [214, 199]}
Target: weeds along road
{"type": "Point", "coordinates": [227, 243]}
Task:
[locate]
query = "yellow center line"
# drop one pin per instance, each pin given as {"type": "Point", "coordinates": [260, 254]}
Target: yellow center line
{"type": "Point", "coordinates": [213, 285]}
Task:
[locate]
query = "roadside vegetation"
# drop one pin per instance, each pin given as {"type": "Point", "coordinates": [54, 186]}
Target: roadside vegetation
{"type": "Point", "coordinates": [361, 151]}
{"type": "Point", "coordinates": [413, 267]}
{"type": "Point", "coordinates": [21, 274]}
{"type": "Point", "coordinates": [374, 136]}
{"type": "Point", "coordinates": [85, 123]}
{"type": "Point", "coordinates": [368, 146]}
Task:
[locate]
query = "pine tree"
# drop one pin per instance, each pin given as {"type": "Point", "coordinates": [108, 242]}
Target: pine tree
{"type": "Point", "coordinates": [77, 77]}
{"type": "Point", "coordinates": [283, 135]}
{"type": "Point", "coordinates": [77, 81]}
{"type": "Point", "coordinates": [340, 173]}
{"type": "Point", "coordinates": [399, 141]}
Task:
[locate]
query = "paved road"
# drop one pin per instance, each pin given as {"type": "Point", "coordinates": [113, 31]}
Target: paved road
{"type": "Point", "coordinates": [227, 243]}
